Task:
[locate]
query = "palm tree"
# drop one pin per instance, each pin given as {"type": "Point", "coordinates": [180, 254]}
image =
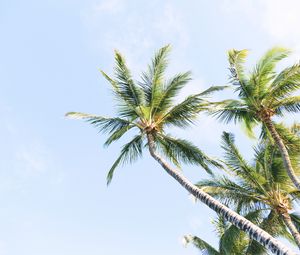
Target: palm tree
{"type": "Point", "coordinates": [263, 94]}
{"type": "Point", "coordinates": [148, 107]}
{"type": "Point", "coordinates": [232, 241]}
{"type": "Point", "coordinates": [262, 185]}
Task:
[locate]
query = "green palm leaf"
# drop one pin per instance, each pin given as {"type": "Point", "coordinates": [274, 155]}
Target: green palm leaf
{"type": "Point", "coordinates": [240, 195]}
{"type": "Point", "coordinates": [184, 113]}
{"type": "Point", "coordinates": [204, 247]}
{"type": "Point", "coordinates": [170, 91]}
{"type": "Point", "coordinates": [129, 153]}
{"type": "Point", "coordinates": [285, 83]}
{"type": "Point", "coordinates": [290, 104]}
{"type": "Point", "coordinates": [153, 78]}
{"type": "Point", "coordinates": [264, 70]}
{"type": "Point", "coordinates": [230, 110]}
{"type": "Point", "coordinates": [104, 124]}
{"type": "Point", "coordinates": [186, 152]}
{"type": "Point", "coordinates": [124, 82]}
{"type": "Point", "coordinates": [237, 163]}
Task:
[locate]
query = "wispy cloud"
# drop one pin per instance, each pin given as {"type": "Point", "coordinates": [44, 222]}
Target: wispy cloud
{"type": "Point", "coordinates": [277, 19]}
{"type": "Point", "coordinates": [281, 19]}
{"type": "Point", "coordinates": [25, 156]}
{"type": "Point", "coordinates": [33, 158]}
{"type": "Point", "coordinates": [112, 6]}
{"type": "Point", "coordinates": [136, 31]}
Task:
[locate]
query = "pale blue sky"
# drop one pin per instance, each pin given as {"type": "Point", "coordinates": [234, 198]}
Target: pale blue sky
{"type": "Point", "coordinates": [53, 194]}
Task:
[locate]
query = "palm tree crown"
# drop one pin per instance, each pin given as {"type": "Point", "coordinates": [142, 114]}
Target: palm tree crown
{"type": "Point", "coordinates": [262, 94]}
{"type": "Point", "coordinates": [149, 106]}
{"type": "Point", "coordinates": [262, 185]}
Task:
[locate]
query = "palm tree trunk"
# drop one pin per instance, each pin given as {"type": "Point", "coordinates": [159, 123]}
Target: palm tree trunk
{"type": "Point", "coordinates": [240, 222]}
{"type": "Point", "coordinates": [283, 151]}
{"type": "Point", "coordinates": [288, 222]}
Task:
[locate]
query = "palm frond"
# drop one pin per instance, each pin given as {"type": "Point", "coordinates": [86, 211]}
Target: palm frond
{"type": "Point", "coordinates": [296, 220]}
{"type": "Point", "coordinates": [231, 193]}
{"type": "Point", "coordinates": [204, 247]}
{"type": "Point", "coordinates": [184, 113]}
{"type": "Point", "coordinates": [231, 110]}
{"type": "Point", "coordinates": [234, 241]}
{"type": "Point", "coordinates": [211, 90]}
{"type": "Point", "coordinates": [276, 227]}
{"type": "Point", "coordinates": [125, 108]}
{"type": "Point", "coordinates": [273, 161]}
{"type": "Point", "coordinates": [285, 83]}
{"type": "Point", "coordinates": [116, 135]}
{"type": "Point", "coordinates": [289, 135]}
{"type": "Point", "coordinates": [238, 164]}
{"type": "Point", "coordinates": [104, 124]}
{"type": "Point", "coordinates": [129, 153]}
{"type": "Point", "coordinates": [236, 60]}
{"type": "Point", "coordinates": [289, 104]}
{"type": "Point", "coordinates": [220, 225]}
{"type": "Point", "coordinates": [238, 78]}
{"type": "Point", "coordinates": [125, 86]}
{"type": "Point", "coordinates": [264, 156]}
{"type": "Point", "coordinates": [153, 78]}
{"type": "Point", "coordinates": [185, 152]}
{"type": "Point", "coordinates": [264, 71]}
{"type": "Point", "coordinates": [170, 91]}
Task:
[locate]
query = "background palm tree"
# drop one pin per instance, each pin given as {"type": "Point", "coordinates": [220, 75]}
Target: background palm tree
{"type": "Point", "coordinates": [149, 108]}
{"type": "Point", "coordinates": [262, 185]}
{"type": "Point", "coordinates": [263, 94]}
{"type": "Point", "coordinates": [232, 241]}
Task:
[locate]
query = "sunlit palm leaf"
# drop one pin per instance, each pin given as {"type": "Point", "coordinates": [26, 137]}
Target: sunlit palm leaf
{"type": "Point", "coordinates": [170, 91]}
{"type": "Point", "coordinates": [285, 83]}
{"type": "Point", "coordinates": [238, 78]}
{"type": "Point", "coordinates": [153, 78]}
{"type": "Point", "coordinates": [264, 71]}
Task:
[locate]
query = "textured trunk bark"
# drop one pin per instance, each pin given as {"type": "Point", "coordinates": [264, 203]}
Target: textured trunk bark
{"type": "Point", "coordinates": [283, 151]}
{"type": "Point", "coordinates": [240, 222]}
{"type": "Point", "coordinates": [288, 222]}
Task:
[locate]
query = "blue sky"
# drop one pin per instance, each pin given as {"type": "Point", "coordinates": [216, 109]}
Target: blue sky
{"type": "Point", "coordinates": [53, 194]}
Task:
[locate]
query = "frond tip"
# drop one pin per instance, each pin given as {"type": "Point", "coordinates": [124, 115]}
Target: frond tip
{"type": "Point", "coordinates": [79, 115]}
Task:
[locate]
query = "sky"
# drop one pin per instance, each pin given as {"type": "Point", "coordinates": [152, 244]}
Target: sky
{"type": "Point", "coordinates": [53, 193]}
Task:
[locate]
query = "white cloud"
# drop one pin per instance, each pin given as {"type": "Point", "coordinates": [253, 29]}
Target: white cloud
{"type": "Point", "coordinates": [33, 158]}
{"type": "Point", "coordinates": [25, 154]}
{"type": "Point", "coordinates": [170, 25]}
{"type": "Point", "coordinates": [136, 32]}
{"type": "Point", "coordinates": [281, 19]}
{"type": "Point", "coordinates": [112, 6]}
{"type": "Point", "coordinates": [247, 7]}
{"type": "Point", "coordinates": [277, 19]}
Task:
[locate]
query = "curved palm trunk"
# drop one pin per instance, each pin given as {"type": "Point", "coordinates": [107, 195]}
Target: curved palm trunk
{"type": "Point", "coordinates": [240, 222]}
{"type": "Point", "coordinates": [288, 222]}
{"type": "Point", "coordinates": [284, 153]}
